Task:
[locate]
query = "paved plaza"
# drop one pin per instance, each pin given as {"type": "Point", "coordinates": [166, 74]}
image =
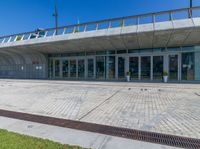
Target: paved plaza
{"type": "Point", "coordinates": [157, 107]}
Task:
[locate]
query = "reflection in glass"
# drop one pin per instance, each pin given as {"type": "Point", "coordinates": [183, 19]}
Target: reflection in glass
{"type": "Point", "coordinates": [133, 67]}
{"type": "Point", "coordinates": [57, 68]}
{"type": "Point", "coordinates": [157, 67]}
{"type": "Point", "coordinates": [81, 68]}
{"type": "Point", "coordinates": [188, 66]}
{"type": "Point", "coordinates": [111, 67]}
{"type": "Point", "coordinates": [100, 67]}
{"type": "Point", "coordinates": [146, 67]}
{"type": "Point", "coordinates": [65, 68]}
{"type": "Point", "coordinates": [173, 67]}
{"type": "Point", "coordinates": [121, 67]}
{"type": "Point", "coordinates": [73, 68]}
{"type": "Point", "coordinates": [50, 68]}
{"type": "Point", "coordinates": [90, 68]}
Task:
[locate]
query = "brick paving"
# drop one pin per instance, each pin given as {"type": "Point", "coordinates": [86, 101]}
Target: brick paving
{"type": "Point", "coordinates": [163, 108]}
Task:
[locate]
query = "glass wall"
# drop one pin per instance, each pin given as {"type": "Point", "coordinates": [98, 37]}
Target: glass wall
{"type": "Point", "coordinates": [90, 68]}
{"type": "Point", "coordinates": [188, 66]}
{"type": "Point", "coordinates": [111, 67]}
{"type": "Point", "coordinates": [121, 67]}
{"type": "Point", "coordinates": [73, 68]}
{"type": "Point", "coordinates": [157, 67]}
{"type": "Point", "coordinates": [81, 68]}
{"type": "Point", "coordinates": [57, 68]}
{"type": "Point", "coordinates": [142, 64]}
{"type": "Point", "coordinates": [50, 70]}
{"type": "Point", "coordinates": [100, 67]}
{"type": "Point", "coordinates": [65, 68]}
{"type": "Point", "coordinates": [134, 67]}
{"type": "Point", "coordinates": [173, 67]}
{"type": "Point", "coordinates": [146, 68]}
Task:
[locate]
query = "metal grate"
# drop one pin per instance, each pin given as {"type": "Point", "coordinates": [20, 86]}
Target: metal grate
{"type": "Point", "coordinates": [164, 139]}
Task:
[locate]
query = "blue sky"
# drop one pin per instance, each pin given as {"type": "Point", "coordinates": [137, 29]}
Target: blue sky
{"type": "Point", "coordinates": [27, 15]}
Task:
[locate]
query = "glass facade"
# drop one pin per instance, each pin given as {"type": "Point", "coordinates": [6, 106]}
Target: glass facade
{"type": "Point", "coordinates": [65, 68]}
{"type": "Point", "coordinates": [121, 67]}
{"type": "Point", "coordinates": [158, 67]}
{"type": "Point", "coordinates": [173, 67]}
{"type": "Point", "coordinates": [57, 68]}
{"type": "Point", "coordinates": [182, 64]}
{"type": "Point", "coordinates": [73, 68]}
{"type": "Point", "coordinates": [90, 68]}
{"type": "Point", "coordinates": [145, 67]}
{"type": "Point", "coordinates": [81, 68]}
{"type": "Point", "coordinates": [100, 67]}
{"type": "Point", "coordinates": [188, 66]}
{"type": "Point", "coordinates": [134, 68]}
{"type": "Point", "coordinates": [111, 67]}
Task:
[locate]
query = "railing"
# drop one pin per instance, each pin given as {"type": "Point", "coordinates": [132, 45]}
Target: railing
{"type": "Point", "coordinates": [106, 24]}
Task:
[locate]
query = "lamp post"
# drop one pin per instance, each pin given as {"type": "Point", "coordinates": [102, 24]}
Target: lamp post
{"type": "Point", "coordinates": [190, 9]}
{"type": "Point", "coordinates": [191, 3]}
{"type": "Point", "coordinates": [55, 14]}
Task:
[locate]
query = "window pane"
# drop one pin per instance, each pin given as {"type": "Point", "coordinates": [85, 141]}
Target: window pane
{"type": "Point", "coordinates": [100, 67]}
{"type": "Point", "coordinates": [73, 68]}
{"type": "Point", "coordinates": [188, 66]}
{"type": "Point", "coordinates": [157, 67]}
{"type": "Point", "coordinates": [81, 68]}
{"type": "Point", "coordinates": [90, 68]}
{"type": "Point", "coordinates": [57, 68]}
{"type": "Point", "coordinates": [111, 67]}
{"type": "Point", "coordinates": [121, 67]}
{"type": "Point", "coordinates": [65, 68]}
{"type": "Point", "coordinates": [145, 67]}
{"type": "Point", "coordinates": [173, 67]}
{"type": "Point", "coordinates": [133, 67]}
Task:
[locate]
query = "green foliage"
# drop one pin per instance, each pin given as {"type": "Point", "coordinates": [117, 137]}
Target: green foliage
{"type": "Point", "coordinates": [11, 140]}
{"type": "Point", "coordinates": [122, 24]}
{"type": "Point", "coordinates": [19, 38]}
{"type": "Point", "coordinates": [165, 73]}
{"type": "Point", "coordinates": [128, 73]}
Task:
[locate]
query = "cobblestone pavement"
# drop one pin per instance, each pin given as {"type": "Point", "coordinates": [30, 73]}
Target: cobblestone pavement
{"type": "Point", "coordinates": [164, 108]}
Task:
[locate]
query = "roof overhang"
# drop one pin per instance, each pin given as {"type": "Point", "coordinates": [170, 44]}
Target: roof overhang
{"type": "Point", "coordinates": [153, 35]}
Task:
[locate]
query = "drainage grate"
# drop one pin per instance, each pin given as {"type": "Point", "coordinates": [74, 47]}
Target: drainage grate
{"type": "Point", "coordinates": [171, 140]}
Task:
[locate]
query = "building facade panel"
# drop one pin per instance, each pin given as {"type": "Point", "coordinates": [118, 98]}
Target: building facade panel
{"type": "Point", "coordinates": [181, 63]}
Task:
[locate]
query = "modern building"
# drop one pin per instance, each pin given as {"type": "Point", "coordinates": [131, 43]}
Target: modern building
{"type": "Point", "coordinates": [144, 45]}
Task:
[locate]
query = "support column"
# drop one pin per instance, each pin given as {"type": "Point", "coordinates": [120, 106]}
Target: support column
{"type": "Point", "coordinates": [61, 65]}
{"type": "Point", "coordinates": [107, 67]}
{"type": "Point", "coordinates": [53, 68]}
{"type": "Point", "coordinates": [151, 68]}
{"type": "Point", "coordinates": [179, 66]}
{"type": "Point", "coordinates": [126, 64]}
{"type": "Point", "coordinates": [166, 63]}
{"type": "Point", "coordinates": [116, 67]}
{"type": "Point", "coordinates": [76, 68]}
{"type": "Point", "coordinates": [139, 67]}
{"type": "Point", "coordinates": [86, 68]}
{"type": "Point", "coordinates": [95, 72]}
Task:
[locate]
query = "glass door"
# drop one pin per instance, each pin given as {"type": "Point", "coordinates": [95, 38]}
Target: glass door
{"type": "Point", "coordinates": [100, 67]}
{"type": "Point", "coordinates": [57, 68]}
{"type": "Point", "coordinates": [121, 68]}
{"type": "Point", "coordinates": [81, 68]}
{"type": "Point", "coordinates": [65, 68]}
{"type": "Point", "coordinates": [90, 68]}
{"type": "Point", "coordinates": [111, 67]}
{"type": "Point", "coordinates": [157, 67]}
{"type": "Point", "coordinates": [145, 67]}
{"type": "Point", "coordinates": [173, 67]}
{"type": "Point", "coordinates": [73, 68]}
{"type": "Point", "coordinates": [188, 66]}
{"type": "Point", "coordinates": [134, 67]}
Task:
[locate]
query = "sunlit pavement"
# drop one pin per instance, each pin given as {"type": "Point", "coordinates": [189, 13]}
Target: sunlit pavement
{"type": "Point", "coordinates": [157, 107]}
